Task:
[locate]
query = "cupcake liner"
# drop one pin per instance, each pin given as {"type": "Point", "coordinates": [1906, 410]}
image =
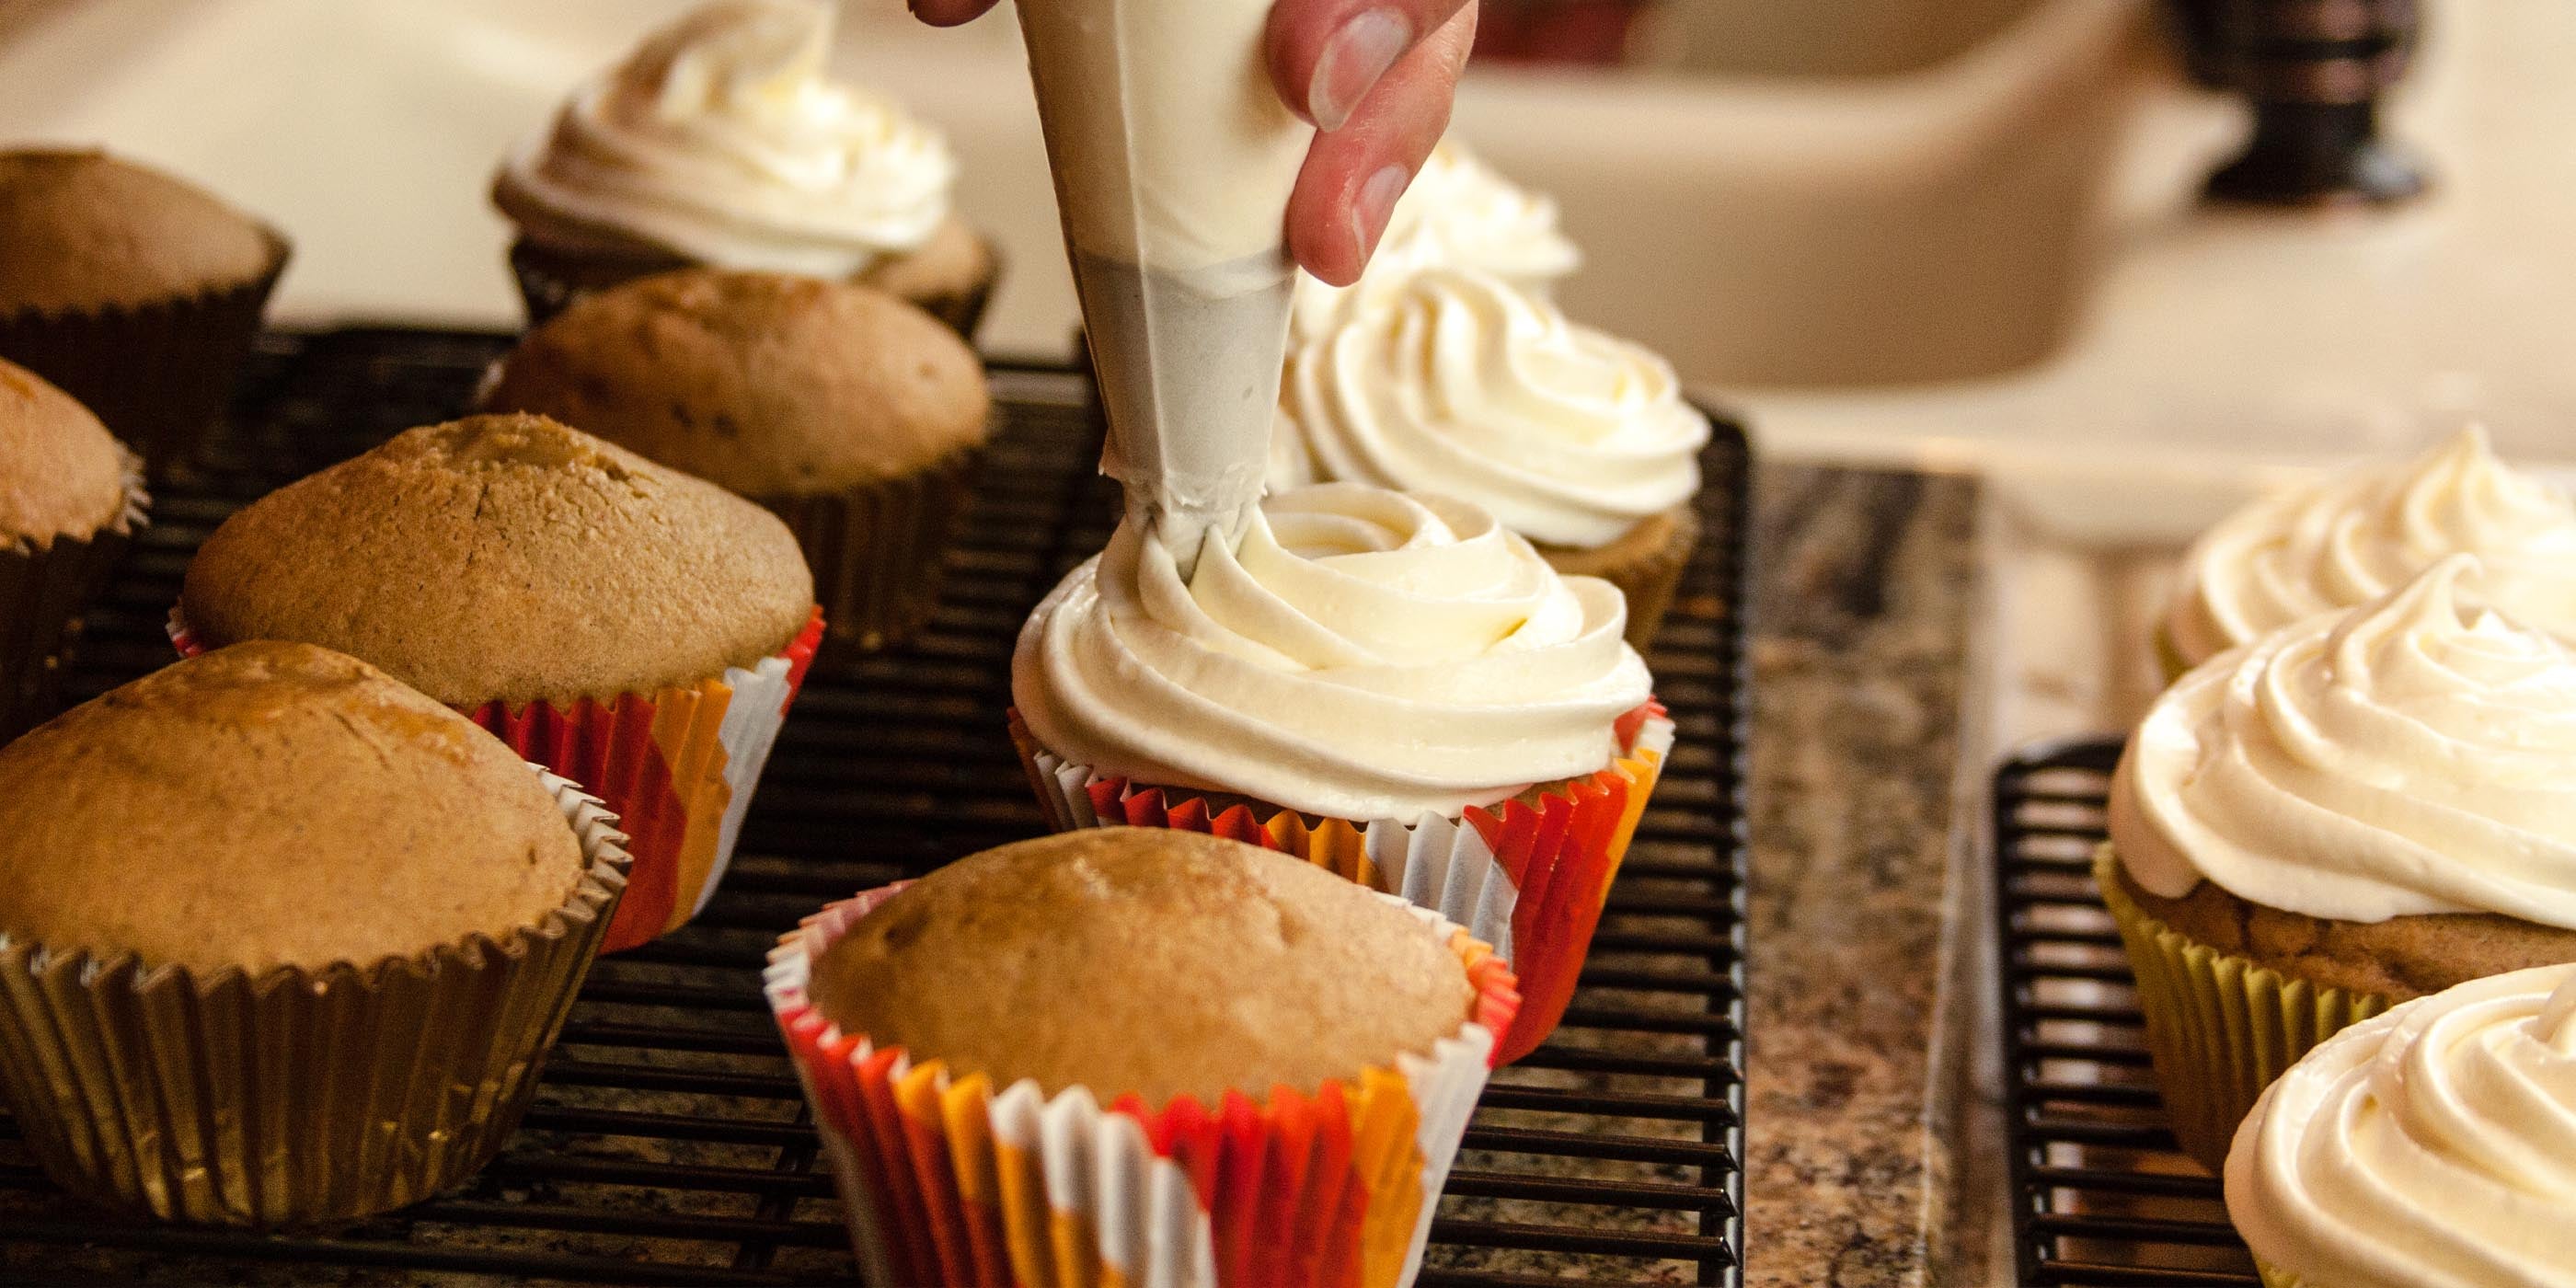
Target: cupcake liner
{"type": "Point", "coordinates": [878, 551]}
{"type": "Point", "coordinates": [2220, 1027]}
{"type": "Point", "coordinates": [1648, 581]}
{"type": "Point", "coordinates": [947, 1180]}
{"type": "Point", "coordinates": [298, 1097]}
{"type": "Point", "coordinates": [2169, 659]}
{"type": "Point", "coordinates": [1528, 876]}
{"type": "Point", "coordinates": [677, 765]}
{"type": "Point", "coordinates": [158, 374]}
{"type": "Point", "coordinates": [43, 591]}
{"type": "Point", "coordinates": [2275, 1277]}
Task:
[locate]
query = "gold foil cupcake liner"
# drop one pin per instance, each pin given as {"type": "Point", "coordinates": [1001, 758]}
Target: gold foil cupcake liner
{"type": "Point", "coordinates": [879, 552]}
{"type": "Point", "coordinates": [1648, 582]}
{"type": "Point", "coordinates": [2220, 1027]}
{"type": "Point", "coordinates": [43, 591]}
{"type": "Point", "coordinates": [158, 374]}
{"type": "Point", "coordinates": [2275, 1277]}
{"type": "Point", "coordinates": [299, 1097]}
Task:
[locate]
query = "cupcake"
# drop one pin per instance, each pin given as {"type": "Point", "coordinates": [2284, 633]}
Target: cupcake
{"type": "Point", "coordinates": [1067, 1060]}
{"type": "Point", "coordinates": [853, 416]}
{"type": "Point", "coordinates": [2431, 1147]}
{"type": "Point", "coordinates": [1454, 381]}
{"type": "Point", "coordinates": [2348, 540]}
{"type": "Point", "coordinates": [135, 292]}
{"type": "Point", "coordinates": [70, 497]}
{"type": "Point", "coordinates": [718, 142]}
{"type": "Point", "coordinates": [632, 628]}
{"type": "Point", "coordinates": [1388, 685]}
{"type": "Point", "coordinates": [2356, 811]}
{"type": "Point", "coordinates": [283, 942]}
{"type": "Point", "coordinates": [1457, 213]}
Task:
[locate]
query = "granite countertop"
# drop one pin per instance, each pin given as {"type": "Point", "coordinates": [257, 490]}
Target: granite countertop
{"type": "Point", "coordinates": [1865, 582]}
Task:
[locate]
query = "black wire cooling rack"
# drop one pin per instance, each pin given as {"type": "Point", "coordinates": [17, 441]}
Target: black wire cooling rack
{"type": "Point", "coordinates": [2101, 1194]}
{"type": "Point", "coordinates": [669, 1145]}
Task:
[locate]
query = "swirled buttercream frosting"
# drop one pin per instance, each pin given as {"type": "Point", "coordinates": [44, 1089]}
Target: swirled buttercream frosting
{"type": "Point", "coordinates": [1458, 213]}
{"type": "Point", "coordinates": [1360, 654]}
{"type": "Point", "coordinates": [1458, 382]}
{"type": "Point", "coordinates": [2415, 755]}
{"type": "Point", "coordinates": [2350, 539]}
{"type": "Point", "coordinates": [719, 141]}
{"type": "Point", "coordinates": [2433, 1146]}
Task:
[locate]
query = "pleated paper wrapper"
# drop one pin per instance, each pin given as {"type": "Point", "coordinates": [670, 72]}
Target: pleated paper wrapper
{"type": "Point", "coordinates": [44, 589]}
{"type": "Point", "coordinates": [300, 1097]}
{"type": "Point", "coordinates": [1529, 875]}
{"type": "Point", "coordinates": [158, 374]}
{"type": "Point", "coordinates": [949, 1181]}
{"type": "Point", "coordinates": [677, 766]}
{"type": "Point", "coordinates": [879, 551]}
{"type": "Point", "coordinates": [2220, 1027]}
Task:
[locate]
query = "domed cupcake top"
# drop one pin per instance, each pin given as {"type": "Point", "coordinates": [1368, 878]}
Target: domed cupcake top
{"type": "Point", "coordinates": [1456, 381]}
{"type": "Point", "coordinates": [719, 141]}
{"type": "Point", "coordinates": [61, 473]}
{"type": "Point", "coordinates": [770, 385]}
{"type": "Point", "coordinates": [507, 558]}
{"type": "Point", "coordinates": [1458, 213]}
{"type": "Point", "coordinates": [1145, 961]}
{"type": "Point", "coordinates": [273, 804]}
{"type": "Point", "coordinates": [83, 230]}
{"type": "Point", "coordinates": [2416, 755]}
{"type": "Point", "coordinates": [2350, 539]}
{"type": "Point", "coordinates": [1364, 654]}
{"type": "Point", "coordinates": [2433, 1146]}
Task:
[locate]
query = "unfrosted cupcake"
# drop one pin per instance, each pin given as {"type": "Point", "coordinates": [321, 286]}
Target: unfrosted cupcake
{"type": "Point", "coordinates": [281, 940]}
{"type": "Point", "coordinates": [2358, 810]}
{"type": "Point", "coordinates": [136, 292]}
{"type": "Point", "coordinates": [70, 497]}
{"type": "Point", "coordinates": [2349, 539]}
{"type": "Point", "coordinates": [851, 415]}
{"type": "Point", "coordinates": [1458, 213]}
{"type": "Point", "coordinates": [1389, 685]}
{"type": "Point", "coordinates": [1094, 1032]}
{"type": "Point", "coordinates": [1455, 381]}
{"type": "Point", "coordinates": [719, 142]}
{"type": "Point", "coordinates": [2431, 1147]}
{"type": "Point", "coordinates": [621, 623]}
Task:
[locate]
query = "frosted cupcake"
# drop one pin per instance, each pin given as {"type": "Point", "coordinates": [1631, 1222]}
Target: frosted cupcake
{"type": "Point", "coordinates": [1066, 1061]}
{"type": "Point", "coordinates": [2431, 1147]}
{"type": "Point", "coordinates": [1458, 213]}
{"type": "Point", "coordinates": [1389, 685]}
{"type": "Point", "coordinates": [2357, 811]}
{"type": "Point", "coordinates": [1455, 381]}
{"type": "Point", "coordinates": [2350, 539]}
{"type": "Point", "coordinates": [719, 143]}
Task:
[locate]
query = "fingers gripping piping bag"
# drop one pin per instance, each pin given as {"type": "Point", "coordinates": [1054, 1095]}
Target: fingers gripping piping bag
{"type": "Point", "coordinates": [1173, 159]}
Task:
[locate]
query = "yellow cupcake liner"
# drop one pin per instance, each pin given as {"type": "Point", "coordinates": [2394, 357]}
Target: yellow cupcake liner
{"type": "Point", "coordinates": [2275, 1277]}
{"type": "Point", "coordinates": [296, 1097]}
{"type": "Point", "coordinates": [2220, 1027]}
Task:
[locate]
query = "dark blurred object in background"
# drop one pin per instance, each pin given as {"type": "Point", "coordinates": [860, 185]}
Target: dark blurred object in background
{"type": "Point", "coordinates": [1558, 31]}
{"type": "Point", "coordinates": [2314, 71]}
{"type": "Point", "coordinates": [2195, 25]}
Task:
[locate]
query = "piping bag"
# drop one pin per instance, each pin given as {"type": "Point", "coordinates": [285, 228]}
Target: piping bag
{"type": "Point", "coordinates": [1173, 159]}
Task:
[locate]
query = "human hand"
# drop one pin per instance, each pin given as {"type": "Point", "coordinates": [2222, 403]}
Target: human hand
{"type": "Point", "coordinates": [1376, 77]}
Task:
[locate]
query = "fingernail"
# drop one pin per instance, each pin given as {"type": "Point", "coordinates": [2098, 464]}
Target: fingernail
{"type": "Point", "coordinates": [1353, 60]}
{"type": "Point", "coordinates": [1376, 205]}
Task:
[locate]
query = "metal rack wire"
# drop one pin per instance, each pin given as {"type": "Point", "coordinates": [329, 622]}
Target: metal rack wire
{"type": "Point", "coordinates": [669, 1143]}
{"type": "Point", "coordinates": [2101, 1195]}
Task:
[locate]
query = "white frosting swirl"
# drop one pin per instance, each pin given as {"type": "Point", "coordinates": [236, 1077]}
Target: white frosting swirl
{"type": "Point", "coordinates": [2350, 539]}
{"type": "Point", "coordinates": [1458, 213]}
{"type": "Point", "coordinates": [2433, 1146]}
{"type": "Point", "coordinates": [719, 141]}
{"type": "Point", "coordinates": [1363, 655]}
{"type": "Point", "coordinates": [1454, 380]}
{"type": "Point", "coordinates": [2412, 756]}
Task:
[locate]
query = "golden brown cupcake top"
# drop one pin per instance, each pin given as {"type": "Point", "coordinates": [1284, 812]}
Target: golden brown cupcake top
{"type": "Point", "coordinates": [507, 558]}
{"type": "Point", "coordinates": [770, 385]}
{"type": "Point", "coordinates": [61, 473]}
{"type": "Point", "coordinates": [955, 260]}
{"type": "Point", "coordinates": [83, 230]}
{"type": "Point", "coordinates": [1148, 961]}
{"type": "Point", "coordinates": [273, 804]}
